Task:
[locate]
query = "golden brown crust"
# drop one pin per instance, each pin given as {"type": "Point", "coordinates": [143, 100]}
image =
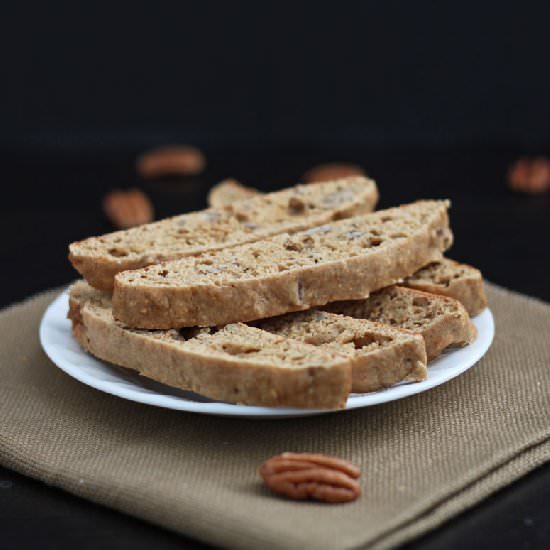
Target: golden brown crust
{"type": "Point", "coordinates": [449, 331]}
{"type": "Point", "coordinates": [139, 303]}
{"type": "Point", "coordinates": [192, 365]}
{"type": "Point", "coordinates": [100, 272]}
{"type": "Point", "coordinates": [75, 317]}
{"type": "Point", "coordinates": [385, 368]}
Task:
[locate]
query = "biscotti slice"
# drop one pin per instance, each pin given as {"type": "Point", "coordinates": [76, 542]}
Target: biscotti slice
{"type": "Point", "coordinates": [342, 260]}
{"type": "Point", "coordinates": [99, 259]}
{"type": "Point", "coordinates": [229, 191]}
{"type": "Point", "coordinates": [449, 278]}
{"type": "Point", "coordinates": [237, 363]}
{"type": "Point", "coordinates": [381, 355]}
{"type": "Point", "coordinates": [442, 321]}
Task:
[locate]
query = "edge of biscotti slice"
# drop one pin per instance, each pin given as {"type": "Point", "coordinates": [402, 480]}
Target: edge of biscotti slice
{"type": "Point", "coordinates": [442, 321]}
{"type": "Point", "coordinates": [381, 356]}
{"type": "Point", "coordinates": [228, 191]}
{"type": "Point", "coordinates": [342, 260]}
{"type": "Point", "coordinates": [99, 259]}
{"type": "Point", "coordinates": [236, 363]}
{"type": "Point", "coordinates": [449, 278]}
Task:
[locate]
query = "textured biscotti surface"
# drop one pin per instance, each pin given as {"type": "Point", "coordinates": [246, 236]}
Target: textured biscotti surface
{"type": "Point", "coordinates": [446, 277]}
{"type": "Point", "coordinates": [342, 260]}
{"type": "Point", "coordinates": [449, 278]}
{"type": "Point", "coordinates": [237, 363]}
{"type": "Point", "coordinates": [227, 192]}
{"type": "Point", "coordinates": [442, 321]}
{"type": "Point", "coordinates": [99, 259]}
{"type": "Point", "coordinates": [381, 356]}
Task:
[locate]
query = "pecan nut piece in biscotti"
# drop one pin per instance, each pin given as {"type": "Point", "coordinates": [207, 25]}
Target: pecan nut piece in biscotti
{"type": "Point", "coordinates": [309, 475]}
{"type": "Point", "coordinates": [99, 259]}
{"type": "Point", "coordinates": [343, 260]}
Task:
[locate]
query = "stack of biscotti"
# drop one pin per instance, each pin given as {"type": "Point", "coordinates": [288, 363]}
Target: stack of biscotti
{"type": "Point", "coordinates": [449, 278]}
{"type": "Point", "coordinates": [99, 259]}
{"type": "Point", "coordinates": [342, 260]}
{"type": "Point", "coordinates": [203, 319]}
{"type": "Point", "coordinates": [234, 363]}
{"type": "Point", "coordinates": [442, 321]}
{"type": "Point", "coordinates": [446, 277]}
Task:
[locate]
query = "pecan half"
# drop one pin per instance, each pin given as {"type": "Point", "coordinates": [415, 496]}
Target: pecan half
{"type": "Point", "coordinates": [128, 208]}
{"type": "Point", "coordinates": [311, 475]}
{"type": "Point", "coordinates": [332, 171]}
{"type": "Point", "coordinates": [171, 160]}
{"type": "Point", "coordinates": [530, 175]}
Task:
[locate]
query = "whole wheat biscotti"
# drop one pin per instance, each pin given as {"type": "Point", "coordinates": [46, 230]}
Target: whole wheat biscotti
{"type": "Point", "coordinates": [99, 259]}
{"type": "Point", "coordinates": [227, 192]}
{"type": "Point", "coordinates": [449, 278]}
{"type": "Point", "coordinates": [442, 321]}
{"type": "Point", "coordinates": [237, 363]}
{"type": "Point", "coordinates": [446, 277]}
{"type": "Point", "coordinates": [381, 355]}
{"type": "Point", "coordinates": [342, 260]}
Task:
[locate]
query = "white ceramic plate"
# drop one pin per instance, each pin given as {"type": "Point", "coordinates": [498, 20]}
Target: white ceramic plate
{"type": "Point", "coordinates": [63, 350]}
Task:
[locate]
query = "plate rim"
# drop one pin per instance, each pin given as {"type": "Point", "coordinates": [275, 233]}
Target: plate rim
{"type": "Point", "coordinates": [481, 345]}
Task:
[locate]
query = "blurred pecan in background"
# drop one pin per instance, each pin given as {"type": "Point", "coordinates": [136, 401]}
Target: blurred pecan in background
{"type": "Point", "coordinates": [171, 160]}
{"type": "Point", "coordinates": [128, 208]}
{"type": "Point", "coordinates": [309, 475]}
{"type": "Point", "coordinates": [530, 175]}
{"type": "Point", "coordinates": [332, 171]}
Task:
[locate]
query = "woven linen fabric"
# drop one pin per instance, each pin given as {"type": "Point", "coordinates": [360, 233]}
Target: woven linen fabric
{"type": "Point", "coordinates": [424, 459]}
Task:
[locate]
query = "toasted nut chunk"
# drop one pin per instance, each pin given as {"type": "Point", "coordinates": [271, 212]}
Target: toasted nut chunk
{"type": "Point", "coordinates": [310, 475]}
{"type": "Point", "coordinates": [332, 171]}
{"type": "Point", "coordinates": [128, 208]}
{"type": "Point", "coordinates": [183, 160]}
{"type": "Point", "coordinates": [296, 205]}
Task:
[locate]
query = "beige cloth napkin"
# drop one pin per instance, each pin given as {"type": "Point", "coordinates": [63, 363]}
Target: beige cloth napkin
{"type": "Point", "coordinates": [425, 458]}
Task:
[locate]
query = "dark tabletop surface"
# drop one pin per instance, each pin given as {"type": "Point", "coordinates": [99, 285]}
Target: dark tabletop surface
{"type": "Point", "coordinates": [50, 198]}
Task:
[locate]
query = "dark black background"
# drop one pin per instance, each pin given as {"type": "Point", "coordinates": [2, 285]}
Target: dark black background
{"type": "Point", "coordinates": [351, 72]}
{"type": "Point", "coordinates": [434, 99]}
